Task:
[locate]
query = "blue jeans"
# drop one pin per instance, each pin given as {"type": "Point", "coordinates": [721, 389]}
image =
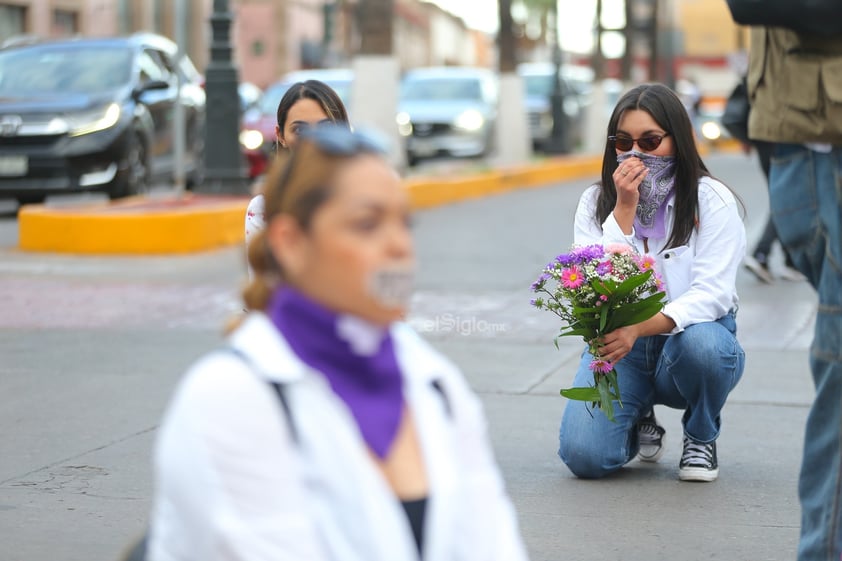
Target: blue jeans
{"type": "Point", "coordinates": [693, 370]}
{"type": "Point", "coordinates": [806, 202]}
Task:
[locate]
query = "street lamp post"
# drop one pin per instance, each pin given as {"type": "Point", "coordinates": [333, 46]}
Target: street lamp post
{"type": "Point", "coordinates": [558, 143]}
{"type": "Point", "coordinates": [224, 165]}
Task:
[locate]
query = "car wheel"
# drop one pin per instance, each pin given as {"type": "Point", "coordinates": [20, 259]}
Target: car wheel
{"type": "Point", "coordinates": [136, 177]}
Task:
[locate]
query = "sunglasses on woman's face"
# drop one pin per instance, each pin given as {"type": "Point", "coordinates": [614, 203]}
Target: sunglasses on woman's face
{"type": "Point", "coordinates": [340, 141]}
{"type": "Point", "coordinates": [647, 143]}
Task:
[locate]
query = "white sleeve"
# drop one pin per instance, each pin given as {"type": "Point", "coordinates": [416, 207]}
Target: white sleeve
{"type": "Point", "coordinates": [220, 496]}
{"type": "Point", "coordinates": [586, 229]}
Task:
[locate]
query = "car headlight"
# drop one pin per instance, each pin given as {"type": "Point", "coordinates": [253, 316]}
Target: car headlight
{"type": "Point", "coordinates": [711, 130]}
{"type": "Point", "coordinates": [92, 121]}
{"type": "Point", "coordinates": [251, 139]}
{"type": "Point", "coordinates": [470, 120]}
{"type": "Point", "coordinates": [404, 122]}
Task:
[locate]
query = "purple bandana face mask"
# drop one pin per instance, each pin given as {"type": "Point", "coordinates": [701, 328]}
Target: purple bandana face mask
{"type": "Point", "coordinates": [654, 191]}
{"type": "Point", "coordinates": [357, 359]}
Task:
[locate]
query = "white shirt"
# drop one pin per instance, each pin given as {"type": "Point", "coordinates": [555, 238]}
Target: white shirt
{"type": "Point", "coordinates": [700, 277]}
{"type": "Point", "coordinates": [231, 484]}
{"type": "Point", "coordinates": [255, 221]}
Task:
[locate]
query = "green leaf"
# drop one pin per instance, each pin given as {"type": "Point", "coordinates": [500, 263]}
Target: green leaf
{"type": "Point", "coordinates": [629, 314]}
{"type": "Point", "coordinates": [627, 286]}
{"type": "Point", "coordinates": [581, 394]}
{"type": "Point", "coordinates": [614, 386]}
{"type": "Point", "coordinates": [580, 331]}
{"type": "Point", "coordinates": [606, 287]}
{"type": "Point", "coordinates": [605, 399]}
{"type": "Point", "coordinates": [603, 318]}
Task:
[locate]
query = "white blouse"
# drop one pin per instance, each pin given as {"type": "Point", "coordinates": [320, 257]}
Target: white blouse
{"type": "Point", "coordinates": [700, 277]}
{"type": "Point", "coordinates": [231, 483]}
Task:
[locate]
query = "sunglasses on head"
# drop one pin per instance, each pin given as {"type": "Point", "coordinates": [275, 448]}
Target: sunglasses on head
{"type": "Point", "coordinates": [647, 143]}
{"type": "Point", "coordinates": [338, 140]}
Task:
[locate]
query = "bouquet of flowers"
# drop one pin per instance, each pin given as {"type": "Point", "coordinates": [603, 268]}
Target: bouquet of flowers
{"type": "Point", "coordinates": [597, 290]}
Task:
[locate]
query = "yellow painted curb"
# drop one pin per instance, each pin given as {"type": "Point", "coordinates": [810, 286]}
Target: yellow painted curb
{"type": "Point", "coordinates": [147, 226]}
{"type": "Point", "coordinates": [134, 226]}
{"type": "Point", "coordinates": [430, 192]}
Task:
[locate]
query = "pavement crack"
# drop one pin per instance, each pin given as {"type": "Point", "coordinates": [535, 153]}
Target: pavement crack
{"type": "Point", "coordinates": [71, 458]}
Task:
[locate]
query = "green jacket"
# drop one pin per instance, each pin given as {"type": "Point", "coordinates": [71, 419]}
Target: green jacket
{"type": "Point", "coordinates": [795, 87]}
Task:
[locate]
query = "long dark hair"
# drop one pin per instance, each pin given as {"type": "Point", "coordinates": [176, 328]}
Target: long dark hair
{"type": "Point", "coordinates": [666, 109]}
{"type": "Point", "coordinates": [319, 92]}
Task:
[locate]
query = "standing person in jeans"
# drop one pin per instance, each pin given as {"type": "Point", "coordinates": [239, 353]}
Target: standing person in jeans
{"type": "Point", "coordinates": [795, 87]}
{"type": "Point", "coordinates": [758, 261]}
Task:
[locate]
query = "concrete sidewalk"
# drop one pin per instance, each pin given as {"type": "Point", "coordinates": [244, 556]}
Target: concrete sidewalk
{"type": "Point", "coordinates": [91, 348]}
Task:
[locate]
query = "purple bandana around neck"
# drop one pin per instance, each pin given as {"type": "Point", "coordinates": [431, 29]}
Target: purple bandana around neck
{"type": "Point", "coordinates": [357, 358]}
{"type": "Point", "coordinates": [654, 190]}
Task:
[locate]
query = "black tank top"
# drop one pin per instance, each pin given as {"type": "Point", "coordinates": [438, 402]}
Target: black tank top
{"type": "Point", "coordinates": [415, 512]}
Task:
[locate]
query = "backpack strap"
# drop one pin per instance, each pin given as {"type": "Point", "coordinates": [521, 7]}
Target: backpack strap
{"type": "Point", "coordinates": [280, 390]}
{"type": "Point", "coordinates": [437, 385]}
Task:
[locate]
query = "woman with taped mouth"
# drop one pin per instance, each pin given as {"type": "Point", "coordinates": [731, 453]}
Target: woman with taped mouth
{"type": "Point", "coordinates": [327, 429]}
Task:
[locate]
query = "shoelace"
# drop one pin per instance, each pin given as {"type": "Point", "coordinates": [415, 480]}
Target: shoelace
{"type": "Point", "coordinates": [697, 454]}
{"type": "Point", "coordinates": [648, 431]}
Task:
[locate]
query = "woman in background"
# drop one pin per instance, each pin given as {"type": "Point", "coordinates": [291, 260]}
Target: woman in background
{"type": "Point", "coordinates": [304, 105]}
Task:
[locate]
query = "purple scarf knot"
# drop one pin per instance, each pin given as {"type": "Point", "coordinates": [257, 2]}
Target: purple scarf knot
{"type": "Point", "coordinates": [357, 359]}
{"type": "Point", "coordinates": [654, 190]}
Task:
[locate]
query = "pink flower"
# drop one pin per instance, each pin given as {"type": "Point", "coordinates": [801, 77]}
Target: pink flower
{"type": "Point", "coordinates": [618, 248]}
{"type": "Point", "coordinates": [601, 366]}
{"type": "Point", "coordinates": [572, 277]}
{"type": "Point", "coordinates": [646, 262]}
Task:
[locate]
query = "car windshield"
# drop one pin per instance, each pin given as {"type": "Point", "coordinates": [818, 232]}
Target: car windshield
{"type": "Point", "coordinates": [441, 89]}
{"type": "Point", "coordinates": [268, 104]}
{"type": "Point", "coordinates": [63, 70]}
{"type": "Point", "coordinates": [539, 85]}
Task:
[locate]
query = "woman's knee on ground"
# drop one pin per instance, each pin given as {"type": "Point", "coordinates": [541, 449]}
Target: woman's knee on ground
{"type": "Point", "coordinates": [587, 460]}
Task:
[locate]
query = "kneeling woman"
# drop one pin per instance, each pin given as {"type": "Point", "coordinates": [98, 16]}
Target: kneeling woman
{"type": "Point", "coordinates": [327, 429]}
{"type": "Point", "coordinates": [657, 196]}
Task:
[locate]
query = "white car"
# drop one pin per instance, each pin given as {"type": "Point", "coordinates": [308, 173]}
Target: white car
{"type": "Point", "coordinates": [449, 110]}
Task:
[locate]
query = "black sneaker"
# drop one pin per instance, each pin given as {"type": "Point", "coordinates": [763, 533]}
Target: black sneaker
{"type": "Point", "coordinates": [698, 461]}
{"type": "Point", "coordinates": [651, 436]}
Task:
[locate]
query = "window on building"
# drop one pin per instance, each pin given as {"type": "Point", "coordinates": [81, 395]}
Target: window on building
{"type": "Point", "coordinates": [65, 23]}
{"type": "Point", "coordinates": [12, 21]}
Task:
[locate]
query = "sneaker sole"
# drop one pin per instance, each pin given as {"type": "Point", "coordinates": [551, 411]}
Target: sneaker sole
{"type": "Point", "coordinates": [758, 271]}
{"type": "Point", "coordinates": [653, 458]}
{"type": "Point", "coordinates": [698, 474]}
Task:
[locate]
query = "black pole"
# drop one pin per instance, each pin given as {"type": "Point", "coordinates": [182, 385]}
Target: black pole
{"type": "Point", "coordinates": [559, 137]}
{"type": "Point", "coordinates": [224, 162]}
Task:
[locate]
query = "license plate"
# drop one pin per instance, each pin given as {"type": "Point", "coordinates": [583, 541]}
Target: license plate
{"type": "Point", "coordinates": [13, 166]}
{"type": "Point", "coordinates": [424, 148]}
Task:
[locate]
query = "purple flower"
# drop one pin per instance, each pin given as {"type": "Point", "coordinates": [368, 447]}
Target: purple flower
{"type": "Point", "coordinates": [539, 284]}
{"type": "Point", "coordinates": [604, 268]}
{"type": "Point", "coordinates": [591, 252]}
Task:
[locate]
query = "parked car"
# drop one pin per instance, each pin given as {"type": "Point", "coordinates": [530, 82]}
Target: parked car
{"type": "Point", "coordinates": [538, 85]}
{"type": "Point", "coordinates": [94, 115]}
{"type": "Point", "coordinates": [249, 95]}
{"type": "Point", "coordinates": [449, 110]}
{"type": "Point", "coordinates": [257, 133]}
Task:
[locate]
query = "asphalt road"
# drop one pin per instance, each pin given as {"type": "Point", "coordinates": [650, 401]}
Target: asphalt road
{"type": "Point", "coordinates": [90, 349]}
